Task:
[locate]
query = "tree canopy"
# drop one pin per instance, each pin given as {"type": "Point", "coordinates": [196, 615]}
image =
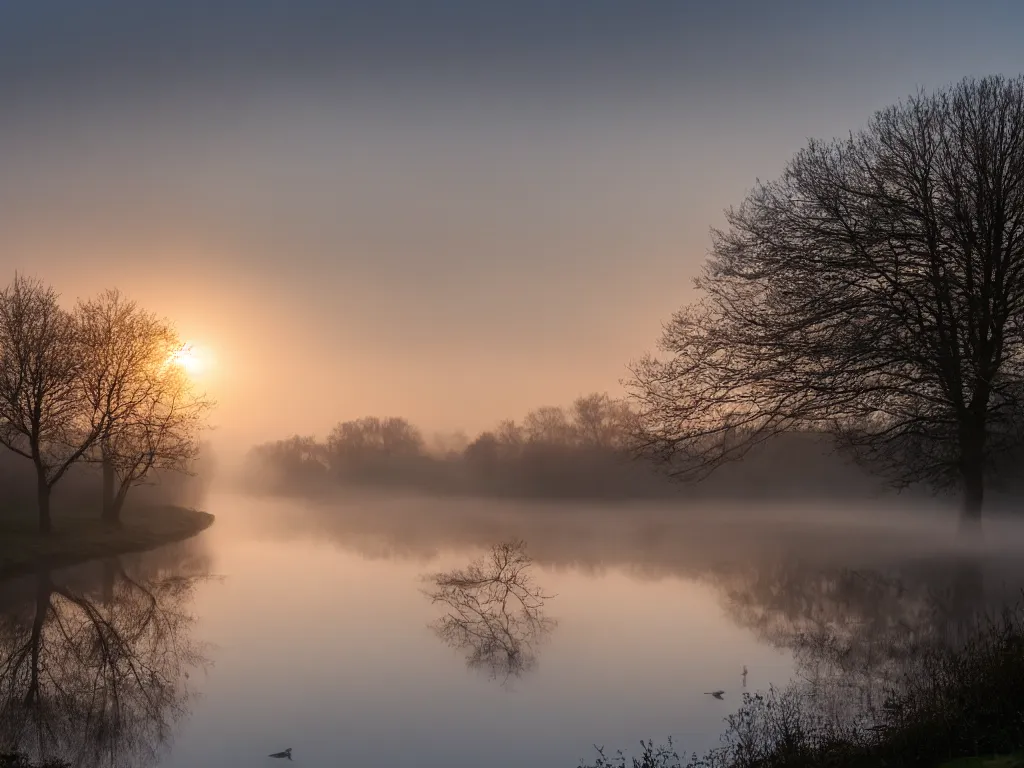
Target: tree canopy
{"type": "Point", "coordinates": [874, 291]}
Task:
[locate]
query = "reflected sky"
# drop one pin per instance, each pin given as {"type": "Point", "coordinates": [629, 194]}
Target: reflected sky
{"type": "Point", "coordinates": [328, 644]}
{"type": "Point", "coordinates": [323, 640]}
{"type": "Point", "coordinates": [331, 651]}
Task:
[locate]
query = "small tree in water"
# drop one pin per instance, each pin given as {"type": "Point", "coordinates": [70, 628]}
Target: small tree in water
{"type": "Point", "coordinates": [874, 292]}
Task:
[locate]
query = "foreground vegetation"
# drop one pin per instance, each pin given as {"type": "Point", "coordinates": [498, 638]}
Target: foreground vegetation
{"type": "Point", "coordinates": [959, 707]}
{"type": "Point", "coordinates": [85, 537]}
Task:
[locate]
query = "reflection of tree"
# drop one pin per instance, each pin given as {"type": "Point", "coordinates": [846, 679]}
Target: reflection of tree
{"type": "Point", "coordinates": [494, 611]}
{"type": "Point", "coordinates": [856, 633]}
{"type": "Point", "coordinates": [94, 675]}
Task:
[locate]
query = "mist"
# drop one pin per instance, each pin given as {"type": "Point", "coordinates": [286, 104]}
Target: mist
{"type": "Point", "coordinates": [522, 374]}
{"type": "Point", "coordinates": [452, 217]}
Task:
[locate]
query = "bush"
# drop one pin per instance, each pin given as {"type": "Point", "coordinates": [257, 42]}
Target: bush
{"type": "Point", "coordinates": [957, 703]}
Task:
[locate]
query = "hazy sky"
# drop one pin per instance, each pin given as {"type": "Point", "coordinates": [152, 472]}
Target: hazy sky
{"type": "Point", "coordinates": [453, 211]}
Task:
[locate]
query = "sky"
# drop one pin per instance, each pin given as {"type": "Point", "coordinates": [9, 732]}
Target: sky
{"type": "Point", "coordinates": [453, 211]}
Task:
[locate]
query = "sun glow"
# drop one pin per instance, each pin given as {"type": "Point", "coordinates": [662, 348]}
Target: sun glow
{"type": "Point", "coordinates": [190, 359]}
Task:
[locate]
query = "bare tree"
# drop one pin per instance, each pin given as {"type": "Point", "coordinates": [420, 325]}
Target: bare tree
{"type": "Point", "coordinates": [874, 292]}
{"type": "Point", "coordinates": [44, 415]}
{"type": "Point", "coordinates": [162, 435]}
{"type": "Point", "coordinates": [153, 416]}
{"type": "Point", "coordinates": [601, 422]}
{"type": "Point", "coordinates": [374, 437]}
{"type": "Point", "coordinates": [549, 425]}
{"type": "Point", "coordinates": [509, 433]}
{"type": "Point", "coordinates": [494, 611]}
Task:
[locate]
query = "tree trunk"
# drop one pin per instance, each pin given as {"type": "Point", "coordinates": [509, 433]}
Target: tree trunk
{"type": "Point", "coordinates": [108, 489]}
{"type": "Point", "coordinates": [43, 591]}
{"type": "Point", "coordinates": [972, 465]}
{"type": "Point", "coordinates": [974, 496]}
{"type": "Point", "coordinates": [113, 513]}
{"type": "Point", "coordinates": [43, 498]}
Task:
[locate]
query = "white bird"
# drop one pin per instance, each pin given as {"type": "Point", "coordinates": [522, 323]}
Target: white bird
{"type": "Point", "coordinates": [287, 753]}
{"type": "Point", "coordinates": [716, 694]}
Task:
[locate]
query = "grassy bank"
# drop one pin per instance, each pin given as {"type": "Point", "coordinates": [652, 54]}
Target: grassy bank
{"type": "Point", "coordinates": [82, 538]}
{"type": "Point", "coordinates": [959, 707]}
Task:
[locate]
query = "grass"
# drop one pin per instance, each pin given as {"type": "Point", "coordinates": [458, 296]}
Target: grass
{"type": "Point", "coordinates": [961, 707]}
{"type": "Point", "coordinates": [78, 538]}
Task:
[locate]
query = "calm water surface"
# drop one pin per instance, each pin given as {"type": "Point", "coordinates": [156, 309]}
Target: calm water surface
{"type": "Point", "coordinates": [312, 627]}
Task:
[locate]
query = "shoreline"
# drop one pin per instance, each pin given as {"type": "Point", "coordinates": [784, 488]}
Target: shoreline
{"type": "Point", "coordinates": [78, 540]}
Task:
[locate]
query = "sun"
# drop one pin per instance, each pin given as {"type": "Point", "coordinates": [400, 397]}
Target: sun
{"type": "Point", "coordinates": [189, 359]}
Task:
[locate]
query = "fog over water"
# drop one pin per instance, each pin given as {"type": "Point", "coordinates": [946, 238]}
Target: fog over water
{"type": "Point", "coordinates": [312, 624]}
{"type": "Point", "coordinates": [411, 251]}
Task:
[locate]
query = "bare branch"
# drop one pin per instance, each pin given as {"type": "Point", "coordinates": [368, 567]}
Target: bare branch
{"type": "Point", "coordinates": [874, 292]}
{"type": "Point", "coordinates": [494, 612]}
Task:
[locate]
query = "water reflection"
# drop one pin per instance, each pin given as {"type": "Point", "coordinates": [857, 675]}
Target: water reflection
{"type": "Point", "coordinates": [494, 612]}
{"type": "Point", "coordinates": [847, 600]}
{"type": "Point", "coordinates": [857, 634]}
{"type": "Point", "coordinates": [95, 660]}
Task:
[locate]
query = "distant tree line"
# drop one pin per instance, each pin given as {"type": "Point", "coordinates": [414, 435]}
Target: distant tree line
{"type": "Point", "coordinates": [584, 451]}
{"type": "Point", "coordinates": [95, 390]}
{"type": "Point", "coordinates": [553, 451]}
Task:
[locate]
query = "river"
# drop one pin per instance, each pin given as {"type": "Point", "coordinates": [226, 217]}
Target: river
{"type": "Point", "coordinates": [368, 632]}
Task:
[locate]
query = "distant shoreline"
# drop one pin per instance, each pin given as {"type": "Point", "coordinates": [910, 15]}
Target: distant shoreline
{"type": "Point", "coordinates": [78, 540]}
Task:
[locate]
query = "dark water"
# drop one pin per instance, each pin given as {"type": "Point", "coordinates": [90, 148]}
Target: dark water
{"type": "Point", "coordinates": [394, 633]}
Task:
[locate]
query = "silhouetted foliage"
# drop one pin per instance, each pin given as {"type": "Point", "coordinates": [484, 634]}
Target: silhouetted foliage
{"type": "Point", "coordinates": [875, 292]}
{"type": "Point", "coordinates": [98, 383]}
{"type": "Point", "coordinates": [904, 666]}
{"type": "Point", "coordinates": [580, 452]}
{"type": "Point", "coordinates": [46, 415]}
{"type": "Point", "coordinates": [494, 611]}
{"type": "Point", "coordinates": [957, 702]}
{"type": "Point", "coordinates": [152, 413]}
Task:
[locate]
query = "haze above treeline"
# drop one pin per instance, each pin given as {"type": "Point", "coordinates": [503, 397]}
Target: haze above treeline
{"type": "Point", "coordinates": [462, 213]}
{"type": "Point", "coordinates": [872, 294]}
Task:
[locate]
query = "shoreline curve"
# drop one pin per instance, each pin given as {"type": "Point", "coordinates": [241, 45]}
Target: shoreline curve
{"type": "Point", "coordinates": [80, 540]}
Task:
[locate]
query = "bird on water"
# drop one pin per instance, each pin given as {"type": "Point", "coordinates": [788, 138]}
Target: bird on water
{"type": "Point", "coordinates": [716, 694]}
{"type": "Point", "coordinates": [287, 753]}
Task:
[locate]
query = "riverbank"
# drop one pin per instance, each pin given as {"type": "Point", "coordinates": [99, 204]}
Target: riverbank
{"type": "Point", "coordinates": [79, 539]}
{"type": "Point", "coordinates": [953, 706]}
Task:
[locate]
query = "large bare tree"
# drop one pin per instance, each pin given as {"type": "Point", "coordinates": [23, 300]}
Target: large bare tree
{"type": "Point", "coordinates": [875, 291]}
{"type": "Point", "coordinates": [44, 415]}
{"type": "Point", "coordinates": [152, 414]}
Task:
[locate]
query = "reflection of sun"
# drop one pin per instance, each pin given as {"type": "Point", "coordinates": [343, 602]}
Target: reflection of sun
{"type": "Point", "coordinates": [189, 359]}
